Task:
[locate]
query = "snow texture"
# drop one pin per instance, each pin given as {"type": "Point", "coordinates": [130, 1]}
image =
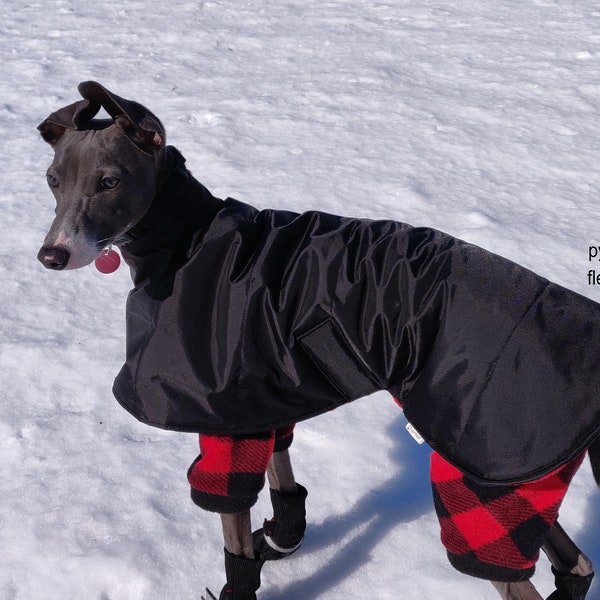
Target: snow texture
{"type": "Point", "coordinates": [479, 118]}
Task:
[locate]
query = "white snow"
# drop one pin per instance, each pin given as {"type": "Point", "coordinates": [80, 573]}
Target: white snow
{"type": "Point", "coordinates": [479, 118]}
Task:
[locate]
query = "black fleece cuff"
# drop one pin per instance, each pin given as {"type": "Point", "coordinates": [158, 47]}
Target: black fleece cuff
{"type": "Point", "coordinates": [222, 504]}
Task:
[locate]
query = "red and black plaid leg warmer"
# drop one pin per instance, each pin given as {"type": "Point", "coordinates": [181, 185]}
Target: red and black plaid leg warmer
{"type": "Point", "coordinates": [496, 531]}
{"type": "Point", "coordinates": [230, 470]}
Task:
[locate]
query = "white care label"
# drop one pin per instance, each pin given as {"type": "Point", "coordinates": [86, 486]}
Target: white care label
{"type": "Point", "coordinates": [414, 433]}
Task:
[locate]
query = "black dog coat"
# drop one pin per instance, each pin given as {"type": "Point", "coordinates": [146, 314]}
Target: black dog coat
{"type": "Point", "coordinates": [242, 321]}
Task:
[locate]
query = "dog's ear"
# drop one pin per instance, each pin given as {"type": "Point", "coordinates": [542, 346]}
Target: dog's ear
{"type": "Point", "coordinates": [142, 126]}
{"type": "Point", "coordinates": [73, 116]}
{"type": "Point", "coordinates": [146, 139]}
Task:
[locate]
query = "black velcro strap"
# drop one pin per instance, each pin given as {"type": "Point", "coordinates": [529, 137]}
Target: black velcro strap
{"type": "Point", "coordinates": [333, 355]}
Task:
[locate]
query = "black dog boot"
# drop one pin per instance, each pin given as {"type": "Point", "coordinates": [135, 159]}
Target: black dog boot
{"type": "Point", "coordinates": [570, 586]}
{"type": "Point", "coordinates": [243, 577]}
{"type": "Point", "coordinates": [283, 534]}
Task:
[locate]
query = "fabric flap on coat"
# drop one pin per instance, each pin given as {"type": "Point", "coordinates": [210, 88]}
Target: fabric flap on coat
{"type": "Point", "coordinates": [511, 389]}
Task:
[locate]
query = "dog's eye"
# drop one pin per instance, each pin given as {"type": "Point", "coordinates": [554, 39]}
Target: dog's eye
{"type": "Point", "coordinates": [52, 180]}
{"type": "Point", "coordinates": [108, 183]}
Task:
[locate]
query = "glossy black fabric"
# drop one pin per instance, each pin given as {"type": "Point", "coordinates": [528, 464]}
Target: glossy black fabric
{"type": "Point", "coordinates": [244, 320]}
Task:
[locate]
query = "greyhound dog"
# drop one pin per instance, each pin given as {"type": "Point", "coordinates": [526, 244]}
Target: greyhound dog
{"type": "Point", "coordinates": [243, 322]}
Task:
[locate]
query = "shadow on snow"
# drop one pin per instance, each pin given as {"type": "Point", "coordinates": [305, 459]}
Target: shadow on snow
{"type": "Point", "coordinates": [401, 499]}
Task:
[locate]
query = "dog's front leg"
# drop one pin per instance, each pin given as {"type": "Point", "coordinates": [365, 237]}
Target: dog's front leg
{"type": "Point", "coordinates": [518, 590]}
{"type": "Point", "coordinates": [237, 534]}
{"type": "Point", "coordinates": [226, 478]}
{"type": "Point", "coordinates": [242, 566]}
{"type": "Point", "coordinates": [284, 532]}
{"type": "Point", "coordinates": [280, 472]}
{"type": "Point", "coordinates": [245, 553]}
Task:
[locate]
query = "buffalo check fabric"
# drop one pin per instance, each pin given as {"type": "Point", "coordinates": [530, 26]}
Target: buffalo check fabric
{"type": "Point", "coordinates": [230, 471]}
{"type": "Point", "coordinates": [496, 531]}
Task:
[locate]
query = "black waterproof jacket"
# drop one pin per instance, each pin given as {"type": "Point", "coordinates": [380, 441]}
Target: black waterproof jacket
{"type": "Point", "coordinates": [244, 320]}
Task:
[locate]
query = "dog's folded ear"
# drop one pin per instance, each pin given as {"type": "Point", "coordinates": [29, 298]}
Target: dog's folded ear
{"type": "Point", "coordinates": [74, 116]}
{"type": "Point", "coordinates": [140, 124]}
{"type": "Point", "coordinates": [143, 127]}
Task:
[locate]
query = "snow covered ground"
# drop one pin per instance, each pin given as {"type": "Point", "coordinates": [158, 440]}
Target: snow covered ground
{"type": "Point", "coordinates": [479, 118]}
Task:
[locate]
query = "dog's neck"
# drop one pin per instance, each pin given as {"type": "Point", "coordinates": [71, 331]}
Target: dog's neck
{"type": "Point", "coordinates": [179, 215]}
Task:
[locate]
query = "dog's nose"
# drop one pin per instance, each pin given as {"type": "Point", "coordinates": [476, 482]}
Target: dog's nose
{"type": "Point", "coordinates": [54, 257]}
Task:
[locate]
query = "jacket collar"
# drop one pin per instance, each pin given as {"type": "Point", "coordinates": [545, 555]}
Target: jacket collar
{"type": "Point", "coordinates": [179, 215]}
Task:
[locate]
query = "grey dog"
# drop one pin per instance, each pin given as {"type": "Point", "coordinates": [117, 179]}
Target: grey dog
{"type": "Point", "coordinates": [243, 322]}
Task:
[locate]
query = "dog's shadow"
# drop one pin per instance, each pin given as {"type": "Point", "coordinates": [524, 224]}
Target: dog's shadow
{"type": "Point", "coordinates": [403, 498]}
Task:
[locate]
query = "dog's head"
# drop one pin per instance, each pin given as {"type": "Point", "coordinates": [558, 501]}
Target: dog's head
{"type": "Point", "coordinates": [103, 175]}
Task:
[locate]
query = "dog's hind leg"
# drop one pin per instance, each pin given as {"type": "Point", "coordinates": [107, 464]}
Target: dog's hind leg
{"type": "Point", "coordinates": [518, 590]}
{"type": "Point", "coordinates": [564, 554]}
{"type": "Point", "coordinates": [573, 570]}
